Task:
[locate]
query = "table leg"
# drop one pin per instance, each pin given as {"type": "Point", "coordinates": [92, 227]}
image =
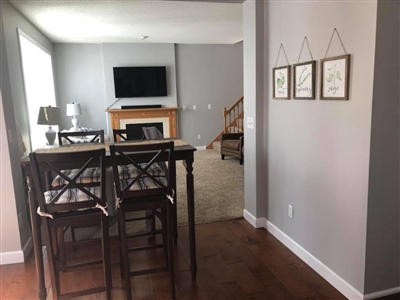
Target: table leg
{"type": "Point", "coordinates": [175, 207]}
{"type": "Point", "coordinates": [191, 215]}
{"type": "Point", "coordinates": [37, 240]}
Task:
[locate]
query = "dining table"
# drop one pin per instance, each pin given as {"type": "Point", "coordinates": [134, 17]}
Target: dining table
{"type": "Point", "coordinates": [183, 152]}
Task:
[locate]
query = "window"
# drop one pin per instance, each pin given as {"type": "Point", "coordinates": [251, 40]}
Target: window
{"type": "Point", "coordinates": [37, 70]}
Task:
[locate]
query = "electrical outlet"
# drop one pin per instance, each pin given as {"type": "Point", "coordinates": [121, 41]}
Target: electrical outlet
{"type": "Point", "coordinates": [209, 106]}
{"type": "Point", "coordinates": [194, 107]}
{"type": "Point", "coordinates": [183, 107]}
{"type": "Point", "coordinates": [290, 211]}
{"type": "Point", "coordinates": [199, 136]}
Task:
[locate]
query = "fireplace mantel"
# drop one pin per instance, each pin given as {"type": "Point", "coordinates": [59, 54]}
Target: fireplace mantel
{"type": "Point", "coordinates": [166, 115]}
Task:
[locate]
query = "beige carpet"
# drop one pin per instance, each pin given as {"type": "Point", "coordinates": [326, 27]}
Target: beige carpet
{"type": "Point", "coordinates": [218, 186]}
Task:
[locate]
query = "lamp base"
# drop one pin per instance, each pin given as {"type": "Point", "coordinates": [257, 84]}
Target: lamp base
{"type": "Point", "coordinates": [75, 122]}
{"type": "Point", "coordinates": [50, 136]}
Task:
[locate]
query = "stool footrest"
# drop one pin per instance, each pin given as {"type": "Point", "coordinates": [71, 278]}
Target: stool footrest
{"type": "Point", "coordinates": [148, 271]}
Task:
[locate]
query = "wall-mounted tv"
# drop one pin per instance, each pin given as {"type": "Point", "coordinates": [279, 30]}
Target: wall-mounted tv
{"type": "Point", "coordinates": [131, 82]}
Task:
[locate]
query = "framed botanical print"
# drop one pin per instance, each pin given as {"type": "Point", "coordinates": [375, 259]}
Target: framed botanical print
{"type": "Point", "coordinates": [304, 80]}
{"type": "Point", "coordinates": [281, 82]}
{"type": "Point", "coordinates": [335, 75]}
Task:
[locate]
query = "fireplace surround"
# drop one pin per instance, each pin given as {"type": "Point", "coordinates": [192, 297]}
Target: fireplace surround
{"type": "Point", "coordinates": [119, 118]}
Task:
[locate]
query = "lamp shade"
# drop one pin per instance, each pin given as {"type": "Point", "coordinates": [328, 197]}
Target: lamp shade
{"type": "Point", "coordinates": [49, 115]}
{"type": "Point", "coordinates": [74, 109]}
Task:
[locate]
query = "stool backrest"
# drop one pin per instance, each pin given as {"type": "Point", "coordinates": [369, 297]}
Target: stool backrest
{"type": "Point", "coordinates": [73, 194]}
{"type": "Point", "coordinates": [93, 136]}
{"type": "Point", "coordinates": [137, 171]}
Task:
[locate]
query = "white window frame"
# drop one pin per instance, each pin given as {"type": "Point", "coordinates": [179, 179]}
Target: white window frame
{"type": "Point", "coordinates": [44, 95]}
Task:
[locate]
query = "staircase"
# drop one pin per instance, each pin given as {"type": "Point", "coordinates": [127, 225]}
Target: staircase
{"type": "Point", "coordinates": [233, 122]}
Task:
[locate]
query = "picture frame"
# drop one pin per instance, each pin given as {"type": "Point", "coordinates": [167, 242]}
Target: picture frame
{"type": "Point", "coordinates": [304, 80]}
{"type": "Point", "coordinates": [335, 78]}
{"type": "Point", "coordinates": [281, 83]}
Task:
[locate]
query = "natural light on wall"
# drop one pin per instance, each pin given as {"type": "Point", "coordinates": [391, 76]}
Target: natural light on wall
{"type": "Point", "coordinates": [39, 85]}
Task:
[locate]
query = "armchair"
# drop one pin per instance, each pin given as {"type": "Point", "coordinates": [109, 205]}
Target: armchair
{"type": "Point", "coordinates": [232, 145]}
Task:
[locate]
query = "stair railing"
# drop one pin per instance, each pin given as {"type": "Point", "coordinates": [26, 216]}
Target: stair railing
{"type": "Point", "coordinates": [233, 117]}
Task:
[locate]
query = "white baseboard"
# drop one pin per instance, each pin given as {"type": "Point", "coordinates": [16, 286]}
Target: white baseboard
{"type": "Point", "coordinates": [12, 257]}
{"type": "Point", "coordinates": [339, 283]}
{"type": "Point", "coordinates": [382, 293]}
{"type": "Point", "coordinates": [257, 223]}
{"type": "Point", "coordinates": [201, 147]}
{"type": "Point", "coordinates": [15, 257]}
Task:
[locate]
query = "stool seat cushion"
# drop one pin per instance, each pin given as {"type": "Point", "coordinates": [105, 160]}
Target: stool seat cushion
{"type": "Point", "coordinates": [72, 195]}
{"type": "Point", "coordinates": [90, 175]}
{"type": "Point", "coordinates": [130, 171]}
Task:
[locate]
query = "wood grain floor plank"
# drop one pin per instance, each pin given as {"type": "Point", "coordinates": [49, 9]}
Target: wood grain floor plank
{"type": "Point", "coordinates": [235, 261]}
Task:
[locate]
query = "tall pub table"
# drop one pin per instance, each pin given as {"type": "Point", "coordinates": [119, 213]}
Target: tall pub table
{"type": "Point", "coordinates": [183, 151]}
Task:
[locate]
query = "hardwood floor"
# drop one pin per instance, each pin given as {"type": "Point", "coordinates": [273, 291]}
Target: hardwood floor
{"type": "Point", "coordinates": [235, 261]}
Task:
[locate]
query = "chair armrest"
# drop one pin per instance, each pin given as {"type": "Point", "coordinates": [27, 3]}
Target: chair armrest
{"type": "Point", "coordinates": [232, 136]}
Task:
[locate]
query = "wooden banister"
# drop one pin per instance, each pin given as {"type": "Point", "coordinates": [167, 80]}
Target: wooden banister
{"type": "Point", "coordinates": [233, 117]}
{"type": "Point", "coordinates": [233, 120]}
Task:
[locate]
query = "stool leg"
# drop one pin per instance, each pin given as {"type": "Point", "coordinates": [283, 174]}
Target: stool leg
{"type": "Point", "coordinates": [170, 250]}
{"type": "Point", "coordinates": [125, 253]}
{"type": "Point", "coordinates": [106, 255]}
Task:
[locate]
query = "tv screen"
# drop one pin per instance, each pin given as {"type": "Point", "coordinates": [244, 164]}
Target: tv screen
{"type": "Point", "coordinates": [130, 82]}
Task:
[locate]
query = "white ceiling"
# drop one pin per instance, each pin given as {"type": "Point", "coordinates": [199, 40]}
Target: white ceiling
{"type": "Point", "coordinates": [125, 21]}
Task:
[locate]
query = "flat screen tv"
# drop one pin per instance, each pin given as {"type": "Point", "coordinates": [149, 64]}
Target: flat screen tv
{"type": "Point", "coordinates": [131, 82]}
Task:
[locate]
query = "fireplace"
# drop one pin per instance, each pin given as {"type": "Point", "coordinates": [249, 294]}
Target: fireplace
{"type": "Point", "coordinates": [120, 118]}
{"type": "Point", "coordinates": [136, 130]}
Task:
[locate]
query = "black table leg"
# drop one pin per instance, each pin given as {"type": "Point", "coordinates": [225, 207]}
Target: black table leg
{"type": "Point", "coordinates": [191, 215]}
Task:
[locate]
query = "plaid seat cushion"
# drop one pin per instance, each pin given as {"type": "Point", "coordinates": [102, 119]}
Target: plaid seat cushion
{"type": "Point", "coordinates": [144, 183]}
{"type": "Point", "coordinates": [80, 139]}
{"type": "Point", "coordinates": [130, 171]}
{"type": "Point", "coordinates": [127, 173]}
{"type": "Point", "coordinates": [71, 195]}
{"type": "Point", "coordinates": [88, 176]}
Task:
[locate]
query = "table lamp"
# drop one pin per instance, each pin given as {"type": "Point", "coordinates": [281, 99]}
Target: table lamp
{"type": "Point", "coordinates": [49, 116]}
{"type": "Point", "coordinates": [74, 110]}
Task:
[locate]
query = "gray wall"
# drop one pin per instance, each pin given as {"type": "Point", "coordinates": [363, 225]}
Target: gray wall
{"type": "Point", "coordinates": [317, 152]}
{"type": "Point", "coordinates": [255, 169]}
{"type": "Point", "coordinates": [207, 74]}
{"type": "Point", "coordinates": [85, 75]}
{"type": "Point", "coordinates": [14, 105]}
{"type": "Point", "coordinates": [383, 230]}
{"type": "Point", "coordinates": [337, 165]}
{"type": "Point", "coordinates": [204, 74]}
{"type": "Point", "coordinates": [9, 234]}
{"type": "Point", "coordinates": [122, 55]}
{"type": "Point", "coordinates": [80, 78]}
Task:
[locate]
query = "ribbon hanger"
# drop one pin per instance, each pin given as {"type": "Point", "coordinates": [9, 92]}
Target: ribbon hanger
{"type": "Point", "coordinates": [337, 33]}
{"type": "Point", "coordinates": [301, 50]}
{"type": "Point", "coordinates": [283, 49]}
